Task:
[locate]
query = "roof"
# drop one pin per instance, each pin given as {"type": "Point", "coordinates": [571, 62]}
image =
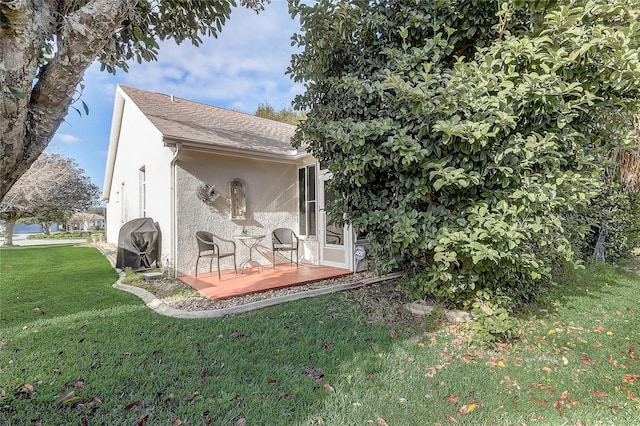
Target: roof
{"type": "Point", "coordinates": [188, 122]}
{"type": "Point", "coordinates": [188, 125]}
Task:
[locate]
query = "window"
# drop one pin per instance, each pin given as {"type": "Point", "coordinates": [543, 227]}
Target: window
{"type": "Point", "coordinates": [307, 200]}
{"type": "Point", "coordinates": [123, 204]}
{"type": "Point", "coordinates": [142, 178]}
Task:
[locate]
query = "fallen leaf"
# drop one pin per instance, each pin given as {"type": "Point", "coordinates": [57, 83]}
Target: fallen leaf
{"type": "Point", "coordinates": [130, 406]}
{"type": "Point", "coordinates": [369, 376]}
{"type": "Point", "coordinates": [63, 397]}
{"type": "Point", "coordinates": [552, 331]}
{"type": "Point", "coordinates": [467, 408]}
{"type": "Point", "coordinates": [409, 359]}
{"type": "Point", "coordinates": [467, 358]}
{"type": "Point", "coordinates": [547, 369]}
{"type": "Point", "coordinates": [176, 422]}
{"type": "Point", "coordinates": [192, 396]}
{"type": "Point", "coordinates": [453, 398]}
{"type": "Point", "coordinates": [382, 422]}
{"type": "Point", "coordinates": [600, 394]}
{"type": "Point", "coordinates": [585, 360]}
{"type": "Point", "coordinates": [203, 373]}
{"type": "Point", "coordinates": [452, 419]}
{"type": "Point", "coordinates": [328, 386]}
{"type": "Point", "coordinates": [26, 390]}
{"type": "Point", "coordinates": [564, 395]}
{"type": "Point", "coordinates": [143, 420]}
{"type": "Point", "coordinates": [630, 378]}
{"type": "Point", "coordinates": [597, 345]}
{"type": "Point", "coordinates": [79, 384]}
{"type": "Point", "coordinates": [565, 361]}
{"type": "Point", "coordinates": [271, 381]}
{"type": "Point", "coordinates": [599, 329]}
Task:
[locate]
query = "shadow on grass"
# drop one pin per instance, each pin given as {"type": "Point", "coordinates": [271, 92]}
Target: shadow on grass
{"type": "Point", "coordinates": [593, 282]}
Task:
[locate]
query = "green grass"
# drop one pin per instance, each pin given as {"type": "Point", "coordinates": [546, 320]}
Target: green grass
{"type": "Point", "coordinates": [315, 361]}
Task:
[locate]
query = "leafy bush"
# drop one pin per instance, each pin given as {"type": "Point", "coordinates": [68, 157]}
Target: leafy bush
{"type": "Point", "coordinates": [462, 135]}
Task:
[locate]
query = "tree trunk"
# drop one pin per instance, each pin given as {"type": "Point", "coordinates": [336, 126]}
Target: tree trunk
{"type": "Point", "coordinates": [36, 97]}
{"type": "Point", "coordinates": [8, 235]}
{"type": "Point", "coordinates": [46, 228]}
{"type": "Point", "coordinates": [598, 252]}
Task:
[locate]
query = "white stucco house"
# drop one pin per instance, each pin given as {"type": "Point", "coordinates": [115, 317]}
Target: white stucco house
{"type": "Point", "coordinates": [193, 167]}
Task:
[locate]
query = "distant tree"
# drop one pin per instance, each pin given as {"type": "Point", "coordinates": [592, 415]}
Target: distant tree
{"type": "Point", "coordinates": [52, 188]}
{"type": "Point", "coordinates": [285, 115]}
{"type": "Point", "coordinates": [462, 134]}
{"type": "Point", "coordinates": [47, 45]}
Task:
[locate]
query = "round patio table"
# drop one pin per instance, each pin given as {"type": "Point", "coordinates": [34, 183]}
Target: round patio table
{"type": "Point", "coordinates": [249, 241]}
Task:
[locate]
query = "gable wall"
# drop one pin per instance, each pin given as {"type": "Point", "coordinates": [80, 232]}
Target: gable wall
{"type": "Point", "coordinates": [140, 145]}
{"type": "Point", "coordinates": [271, 201]}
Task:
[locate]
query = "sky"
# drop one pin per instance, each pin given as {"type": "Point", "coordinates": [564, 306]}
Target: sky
{"type": "Point", "coordinates": [241, 69]}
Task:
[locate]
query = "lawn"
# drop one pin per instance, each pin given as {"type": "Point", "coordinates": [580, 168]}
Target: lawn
{"type": "Point", "coordinates": [73, 350]}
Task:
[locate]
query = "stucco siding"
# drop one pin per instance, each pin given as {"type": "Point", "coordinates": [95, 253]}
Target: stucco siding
{"type": "Point", "coordinates": [140, 146]}
{"type": "Point", "coordinates": [271, 202]}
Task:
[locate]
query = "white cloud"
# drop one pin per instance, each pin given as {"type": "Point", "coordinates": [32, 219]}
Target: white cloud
{"type": "Point", "coordinates": [243, 67]}
{"type": "Point", "coordinates": [67, 138]}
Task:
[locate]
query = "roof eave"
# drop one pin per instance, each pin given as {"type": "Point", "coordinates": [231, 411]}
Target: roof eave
{"type": "Point", "coordinates": [207, 147]}
{"type": "Point", "coordinates": [114, 139]}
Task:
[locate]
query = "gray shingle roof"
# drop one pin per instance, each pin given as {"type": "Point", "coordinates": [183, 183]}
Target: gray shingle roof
{"type": "Point", "coordinates": [182, 120]}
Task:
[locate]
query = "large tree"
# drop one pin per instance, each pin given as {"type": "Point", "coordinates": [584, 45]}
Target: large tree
{"type": "Point", "coordinates": [52, 188]}
{"type": "Point", "coordinates": [284, 115]}
{"type": "Point", "coordinates": [461, 133]}
{"type": "Point", "coordinates": [47, 45]}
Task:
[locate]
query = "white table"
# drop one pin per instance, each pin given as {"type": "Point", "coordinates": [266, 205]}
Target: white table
{"type": "Point", "coordinates": [249, 241]}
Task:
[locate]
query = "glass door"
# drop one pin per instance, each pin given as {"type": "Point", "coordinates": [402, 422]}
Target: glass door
{"type": "Point", "coordinates": [335, 242]}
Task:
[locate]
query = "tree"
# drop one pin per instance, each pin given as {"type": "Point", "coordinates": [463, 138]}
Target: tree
{"type": "Point", "coordinates": [47, 45]}
{"type": "Point", "coordinates": [460, 135]}
{"type": "Point", "coordinates": [285, 115]}
{"type": "Point", "coordinates": [52, 188]}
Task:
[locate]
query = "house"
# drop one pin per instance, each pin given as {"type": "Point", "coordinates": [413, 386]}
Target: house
{"type": "Point", "coordinates": [193, 167]}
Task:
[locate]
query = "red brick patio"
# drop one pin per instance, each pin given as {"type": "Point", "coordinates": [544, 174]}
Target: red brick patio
{"type": "Point", "coordinates": [254, 281]}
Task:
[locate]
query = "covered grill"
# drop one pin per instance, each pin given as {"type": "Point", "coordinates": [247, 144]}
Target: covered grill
{"type": "Point", "coordinates": [138, 243]}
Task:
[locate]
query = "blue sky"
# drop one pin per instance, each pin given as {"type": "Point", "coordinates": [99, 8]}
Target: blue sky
{"type": "Point", "coordinates": [241, 69]}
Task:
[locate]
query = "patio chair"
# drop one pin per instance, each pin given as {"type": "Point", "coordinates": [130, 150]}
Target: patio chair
{"type": "Point", "coordinates": [284, 239]}
{"type": "Point", "coordinates": [213, 247]}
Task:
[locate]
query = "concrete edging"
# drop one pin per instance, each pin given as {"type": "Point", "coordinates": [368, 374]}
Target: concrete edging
{"type": "Point", "coordinates": [159, 307]}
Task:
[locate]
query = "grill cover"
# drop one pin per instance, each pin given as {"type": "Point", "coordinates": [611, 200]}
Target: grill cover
{"type": "Point", "coordinates": [138, 244]}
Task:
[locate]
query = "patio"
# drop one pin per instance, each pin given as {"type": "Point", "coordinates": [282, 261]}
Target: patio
{"type": "Point", "coordinates": [254, 281]}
